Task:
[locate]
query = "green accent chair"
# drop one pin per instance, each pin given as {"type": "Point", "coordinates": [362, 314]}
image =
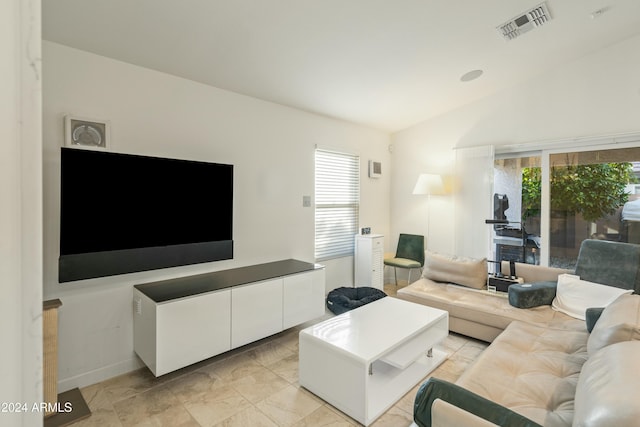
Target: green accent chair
{"type": "Point", "coordinates": [409, 254]}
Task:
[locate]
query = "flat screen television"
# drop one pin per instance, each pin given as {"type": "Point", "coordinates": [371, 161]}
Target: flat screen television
{"type": "Point", "coordinates": [123, 213]}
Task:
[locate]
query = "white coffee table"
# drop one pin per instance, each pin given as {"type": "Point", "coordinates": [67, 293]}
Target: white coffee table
{"type": "Point", "coordinates": [365, 360]}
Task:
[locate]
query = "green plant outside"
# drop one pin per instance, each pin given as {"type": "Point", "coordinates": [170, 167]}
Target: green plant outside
{"type": "Point", "coordinates": [593, 191]}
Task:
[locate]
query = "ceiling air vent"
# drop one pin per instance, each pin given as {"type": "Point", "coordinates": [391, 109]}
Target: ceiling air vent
{"type": "Point", "coordinates": [527, 21]}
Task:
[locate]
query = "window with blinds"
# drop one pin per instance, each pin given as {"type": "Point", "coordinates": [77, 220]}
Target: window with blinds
{"type": "Point", "coordinates": [337, 203]}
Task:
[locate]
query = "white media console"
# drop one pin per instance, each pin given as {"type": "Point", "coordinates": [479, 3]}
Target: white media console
{"type": "Point", "coordinates": [182, 321]}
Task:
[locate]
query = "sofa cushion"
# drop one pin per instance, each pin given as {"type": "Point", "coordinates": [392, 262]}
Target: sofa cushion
{"type": "Point", "coordinates": [535, 273]}
{"type": "Point", "coordinates": [620, 321]}
{"type": "Point", "coordinates": [609, 263]}
{"type": "Point", "coordinates": [574, 296]}
{"type": "Point", "coordinates": [607, 391]}
{"type": "Point", "coordinates": [454, 269]}
{"type": "Point", "coordinates": [532, 370]}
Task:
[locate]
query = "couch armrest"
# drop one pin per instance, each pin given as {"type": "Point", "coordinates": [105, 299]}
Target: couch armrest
{"type": "Point", "coordinates": [528, 295]}
{"type": "Point", "coordinates": [472, 403]}
{"type": "Point", "coordinates": [444, 414]}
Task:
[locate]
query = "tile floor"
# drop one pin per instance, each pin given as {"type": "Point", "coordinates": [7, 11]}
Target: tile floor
{"type": "Point", "coordinates": [256, 385]}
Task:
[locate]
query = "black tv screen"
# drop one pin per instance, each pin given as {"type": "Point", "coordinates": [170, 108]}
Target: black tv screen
{"type": "Point", "coordinates": [122, 213]}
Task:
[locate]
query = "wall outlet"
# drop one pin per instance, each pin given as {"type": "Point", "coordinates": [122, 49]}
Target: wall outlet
{"type": "Point", "coordinates": [306, 201]}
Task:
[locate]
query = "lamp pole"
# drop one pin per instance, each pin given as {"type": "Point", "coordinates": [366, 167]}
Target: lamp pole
{"type": "Point", "coordinates": [428, 184]}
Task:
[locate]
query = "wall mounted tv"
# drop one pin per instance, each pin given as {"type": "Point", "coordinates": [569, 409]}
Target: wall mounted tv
{"type": "Point", "coordinates": [122, 213]}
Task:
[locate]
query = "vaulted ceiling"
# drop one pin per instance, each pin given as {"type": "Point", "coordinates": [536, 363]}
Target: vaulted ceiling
{"type": "Point", "coordinates": [387, 64]}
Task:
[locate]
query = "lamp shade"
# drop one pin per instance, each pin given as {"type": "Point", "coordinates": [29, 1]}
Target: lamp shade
{"type": "Point", "coordinates": [429, 183]}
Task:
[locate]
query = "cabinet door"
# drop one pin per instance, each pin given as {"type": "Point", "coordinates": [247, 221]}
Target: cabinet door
{"type": "Point", "coordinates": [256, 311]}
{"type": "Point", "coordinates": [363, 261]}
{"type": "Point", "coordinates": [377, 260]}
{"type": "Point", "coordinates": [303, 297]}
{"type": "Point", "coordinates": [192, 329]}
{"type": "Point", "coordinates": [369, 262]}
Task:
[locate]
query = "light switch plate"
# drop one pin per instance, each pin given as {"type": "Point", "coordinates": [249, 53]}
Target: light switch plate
{"type": "Point", "coordinates": [306, 201]}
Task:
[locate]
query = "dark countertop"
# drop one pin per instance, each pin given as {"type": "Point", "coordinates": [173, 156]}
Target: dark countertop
{"type": "Point", "coordinates": [181, 287]}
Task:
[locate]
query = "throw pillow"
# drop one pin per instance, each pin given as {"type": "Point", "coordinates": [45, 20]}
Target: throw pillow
{"type": "Point", "coordinates": [607, 391]}
{"type": "Point", "coordinates": [463, 271]}
{"type": "Point", "coordinates": [620, 321]}
{"type": "Point", "coordinates": [574, 296]}
{"type": "Point", "coordinates": [529, 295]}
{"type": "Point", "coordinates": [591, 316]}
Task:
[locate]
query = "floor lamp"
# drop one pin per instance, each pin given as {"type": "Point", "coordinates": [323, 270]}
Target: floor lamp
{"type": "Point", "coordinates": [429, 184]}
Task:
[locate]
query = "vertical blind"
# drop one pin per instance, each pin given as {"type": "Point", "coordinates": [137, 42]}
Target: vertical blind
{"type": "Point", "coordinates": [337, 203]}
{"type": "Point", "coordinates": [472, 201]}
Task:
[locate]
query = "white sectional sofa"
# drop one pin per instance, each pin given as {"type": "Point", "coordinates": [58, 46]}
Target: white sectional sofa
{"type": "Point", "coordinates": [544, 367]}
{"type": "Point", "coordinates": [480, 314]}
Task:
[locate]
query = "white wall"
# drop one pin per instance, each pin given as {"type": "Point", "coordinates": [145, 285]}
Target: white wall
{"type": "Point", "coordinates": [597, 94]}
{"type": "Point", "coordinates": [151, 113]}
{"type": "Point", "coordinates": [20, 211]}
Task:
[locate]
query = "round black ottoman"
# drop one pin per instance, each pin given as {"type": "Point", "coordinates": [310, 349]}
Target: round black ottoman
{"type": "Point", "coordinates": [341, 300]}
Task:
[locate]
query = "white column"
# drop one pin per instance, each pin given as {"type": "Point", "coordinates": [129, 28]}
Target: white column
{"type": "Point", "coordinates": [20, 209]}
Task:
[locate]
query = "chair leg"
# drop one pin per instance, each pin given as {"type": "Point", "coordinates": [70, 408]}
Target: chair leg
{"type": "Point", "coordinates": [395, 273]}
{"type": "Point", "coordinates": [409, 278]}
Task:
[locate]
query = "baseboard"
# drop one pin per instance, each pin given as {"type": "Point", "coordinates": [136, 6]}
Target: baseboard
{"type": "Point", "coordinates": [99, 375]}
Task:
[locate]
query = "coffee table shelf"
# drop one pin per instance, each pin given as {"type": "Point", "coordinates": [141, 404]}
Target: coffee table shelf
{"type": "Point", "coordinates": [365, 360]}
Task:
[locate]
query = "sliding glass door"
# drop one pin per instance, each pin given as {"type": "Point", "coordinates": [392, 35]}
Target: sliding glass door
{"type": "Point", "coordinates": [552, 200]}
{"type": "Point", "coordinates": [516, 200]}
{"type": "Point", "coordinates": [588, 193]}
